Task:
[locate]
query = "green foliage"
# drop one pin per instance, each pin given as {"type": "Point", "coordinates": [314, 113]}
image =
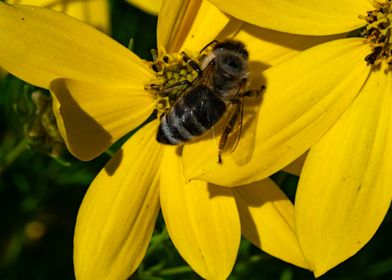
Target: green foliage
{"type": "Point", "coordinates": [40, 196]}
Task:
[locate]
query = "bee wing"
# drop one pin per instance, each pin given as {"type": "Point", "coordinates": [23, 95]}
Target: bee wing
{"type": "Point", "coordinates": [245, 145]}
{"type": "Point", "coordinates": [206, 76]}
{"type": "Point", "coordinates": [234, 118]}
{"type": "Point", "coordinates": [240, 148]}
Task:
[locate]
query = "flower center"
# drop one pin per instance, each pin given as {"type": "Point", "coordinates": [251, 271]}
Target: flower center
{"type": "Point", "coordinates": [174, 73]}
{"type": "Point", "coordinates": [378, 33]}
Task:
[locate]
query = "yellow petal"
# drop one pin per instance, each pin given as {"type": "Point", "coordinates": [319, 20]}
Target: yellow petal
{"type": "Point", "coordinates": [91, 116]}
{"type": "Point", "coordinates": [267, 220]}
{"type": "Point", "coordinates": [118, 213]}
{"type": "Point", "coordinates": [188, 25]}
{"type": "Point", "coordinates": [345, 186]}
{"type": "Point", "coordinates": [149, 6]}
{"type": "Point", "coordinates": [92, 12]}
{"type": "Point", "coordinates": [3, 73]}
{"type": "Point", "coordinates": [305, 96]}
{"type": "Point", "coordinates": [40, 45]}
{"type": "Point", "coordinates": [307, 17]}
{"type": "Point", "coordinates": [268, 47]}
{"type": "Point", "coordinates": [295, 167]}
{"type": "Point", "coordinates": [202, 220]}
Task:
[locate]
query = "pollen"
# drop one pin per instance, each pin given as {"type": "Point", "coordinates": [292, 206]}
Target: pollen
{"type": "Point", "coordinates": [173, 74]}
{"type": "Point", "coordinates": [378, 33]}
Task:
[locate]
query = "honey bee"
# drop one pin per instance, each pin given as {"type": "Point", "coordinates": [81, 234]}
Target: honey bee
{"type": "Point", "coordinates": [219, 88]}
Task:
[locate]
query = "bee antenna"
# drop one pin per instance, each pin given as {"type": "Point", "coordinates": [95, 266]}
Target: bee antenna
{"type": "Point", "coordinates": [209, 44]}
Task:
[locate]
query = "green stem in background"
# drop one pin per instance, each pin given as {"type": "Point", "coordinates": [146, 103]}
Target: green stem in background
{"type": "Point", "coordinates": [175, 270]}
{"type": "Point", "coordinates": [157, 241]}
{"type": "Point", "coordinates": [13, 155]}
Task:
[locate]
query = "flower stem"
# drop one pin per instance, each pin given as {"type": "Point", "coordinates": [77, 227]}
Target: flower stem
{"type": "Point", "coordinates": [175, 270]}
{"type": "Point", "coordinates": [13, 155]}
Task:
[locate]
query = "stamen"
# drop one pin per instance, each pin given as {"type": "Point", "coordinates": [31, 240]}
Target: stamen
{"type": "Point", "coordinates": [173, 75]}
{"type": "Point", "coordinates": [378, 33]}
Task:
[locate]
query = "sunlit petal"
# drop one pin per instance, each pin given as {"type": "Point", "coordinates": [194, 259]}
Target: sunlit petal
{"type": "Point", "coordinates": [267, 220]}
{"type": "Point", "coordinates": [346, 184]}
{"type": "Point", "coordinates": [93, 12]}
{"type": "Point", "coordinates": [202, 220]}
{"type": "Point", "coordinates": [307, 17]}
{"type": "Point", "coordinates": [92, 116]}
{"type": "Point", "coordinates": [297, 108]}
{"type": "Point", "coordinates": [118, 213]}
{"type": "Point", "coordinates": [268, 47]}
{"type": "Point", "coordinates": [149, 6]}
{"type": "Point", "coordinates": [189, 25]}
{"type": "Point", "coordinates": [40, 45]}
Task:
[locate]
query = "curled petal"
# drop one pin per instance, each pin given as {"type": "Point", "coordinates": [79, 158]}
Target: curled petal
{"type": "Point", "coordinates": [188, 25]}
{"type": "Point", "coordinates": [345, 187]}
{"type": "Point", "coordinates": [202, 220]}
{"type": "Point", "coordinates": [118, 213]}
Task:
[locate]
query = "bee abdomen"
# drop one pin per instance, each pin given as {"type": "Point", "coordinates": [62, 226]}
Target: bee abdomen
{"type": "Point", "coordinates": [198, 110]}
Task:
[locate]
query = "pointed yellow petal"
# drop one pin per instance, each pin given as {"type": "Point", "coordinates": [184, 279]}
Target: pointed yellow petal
{"type": "Point", "coordinates": [345, 186]}
{"type": "Point", "coordinates": [118, 213]}
{"type": "Point", "coordinates": [188, 25]}
{"type": "Point", "coordinates": [307, 17]}
{"type": "Point", "coordinates": [267, 220]}
{"type": "Point", "coordinates": [40, 45]}
{"type": "Point", "coordinates": [92, 12]}
{"type": "Point", "coordinates": [202, 220]}
{"type": "Point", "coordinates": [91, 117]}
{"type": "Point", "coordinates": [149, 6]}
{"type": "Point", "coordinates": [305, 96]}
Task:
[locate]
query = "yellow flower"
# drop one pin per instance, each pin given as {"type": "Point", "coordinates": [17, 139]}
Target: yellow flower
{"type": "Point", "coordinates": [99, 94]}
{"type": "Point", "coordinates": [93, 12]}
{"type": "Point", "coordinates": [149, 6]}
{"type": "Point", "coordinates": [346, 184]}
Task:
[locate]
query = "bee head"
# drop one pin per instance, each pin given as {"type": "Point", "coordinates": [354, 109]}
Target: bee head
{"type": "Point", "coordinates": [231, 59]}
{"type": "Point", "coordinates": [232, 46]}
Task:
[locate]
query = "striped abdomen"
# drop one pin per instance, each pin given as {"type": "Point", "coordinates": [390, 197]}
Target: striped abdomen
{"type": "Point", "coordinates": [193, 115]}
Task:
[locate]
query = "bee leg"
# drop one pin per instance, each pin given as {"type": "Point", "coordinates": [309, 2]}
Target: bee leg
{"type": "Point", "coordinates": [229, 127]}
{"type": "Point", "coordinates": [191, 63]}
{"type": "Point", "coordinates": [254, 93]}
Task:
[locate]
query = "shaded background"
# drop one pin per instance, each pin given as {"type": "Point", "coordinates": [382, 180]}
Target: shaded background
{"type": "Point", "coordinates": [40, 196]}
